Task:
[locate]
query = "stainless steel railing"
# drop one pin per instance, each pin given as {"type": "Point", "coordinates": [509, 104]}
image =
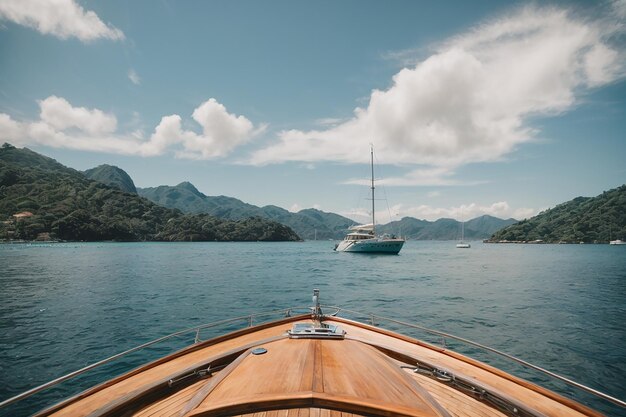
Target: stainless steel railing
{"type": "Point", "coordinates": [250, 321]}
{"type": "Point", "coordinates": [374, 319]}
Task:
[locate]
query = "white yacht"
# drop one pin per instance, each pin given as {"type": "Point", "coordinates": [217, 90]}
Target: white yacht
{"type": "Point", "coordinates": [462, 244]}
{"type": "Point", "coordinates": [362, 238]}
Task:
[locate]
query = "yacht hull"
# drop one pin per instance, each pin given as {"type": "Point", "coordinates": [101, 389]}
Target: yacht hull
{"type": "Point", "coordinates": [385, 246]}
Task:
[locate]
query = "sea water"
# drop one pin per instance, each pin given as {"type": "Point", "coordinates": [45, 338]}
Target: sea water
{"type": "Point", "coordinates": [66, 305]}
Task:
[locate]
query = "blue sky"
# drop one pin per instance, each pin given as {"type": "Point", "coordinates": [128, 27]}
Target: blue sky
{"type": "Point", "coordinates": [492, 107]}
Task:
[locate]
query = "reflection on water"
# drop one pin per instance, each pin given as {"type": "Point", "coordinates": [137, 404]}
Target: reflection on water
{"type": "Point", "coordinates": [64, 306]}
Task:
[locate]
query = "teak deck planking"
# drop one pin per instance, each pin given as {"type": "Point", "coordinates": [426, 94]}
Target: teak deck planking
{"type": "Point", "coordinates": [316, 378]}
{"type": "Point", "coordinates": [354, 377]}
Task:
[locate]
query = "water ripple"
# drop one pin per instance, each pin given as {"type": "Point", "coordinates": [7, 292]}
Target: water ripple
{"type": "Point", "coordinates": [64, 306]}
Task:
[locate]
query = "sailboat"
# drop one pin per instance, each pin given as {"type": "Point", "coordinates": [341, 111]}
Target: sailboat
{"type": "Point", "coordinates": [462, 244]}
{"type": "Point", "coordinates": [362, 238]}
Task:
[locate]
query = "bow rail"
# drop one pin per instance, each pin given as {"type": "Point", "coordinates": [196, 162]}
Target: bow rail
{"type": "Point", "coordinates": [315, 312]}
{"type": "Point", "coordinates": [197, 329]}
{"type": "Point", "coordinates": [374, 319]}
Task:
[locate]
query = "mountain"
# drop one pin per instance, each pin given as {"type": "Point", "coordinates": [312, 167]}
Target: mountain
{"type": "Point", "coordinates": [583, 219]}
{"type": "Point", "coordinates": [484, 226]}
{"type": "Point", "coordinates": [42, 199]}
{"type": "Point", "coordinates": [312, 223]}
{"type": "Point", "coordinates": [308, 224]}
{"type": "Point", "coordinates": [186, 198]}
{"type": "Point", "coordinates": [445, 229]}
{"type": "Point", "coordinates": [113, 177]}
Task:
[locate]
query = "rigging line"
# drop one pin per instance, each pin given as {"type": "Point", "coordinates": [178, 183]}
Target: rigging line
{"type": "Point", "coordinates": [384, 188]}
{"type": "Point", "coordinates": [363, 193]}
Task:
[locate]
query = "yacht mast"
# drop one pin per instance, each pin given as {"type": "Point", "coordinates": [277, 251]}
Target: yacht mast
{"type": "Point", "coordinates": [373, 218]}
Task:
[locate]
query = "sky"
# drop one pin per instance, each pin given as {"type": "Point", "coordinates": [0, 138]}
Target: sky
{"type": "Point", "coordinates": [488, 107]}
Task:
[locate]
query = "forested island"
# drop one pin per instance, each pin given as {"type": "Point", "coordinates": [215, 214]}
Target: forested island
{"type": "Point", "coordinates": [41, 199]}
{"type": "Point", "coordinates": [307, 223]}
{"type": "Point", "coordinates": [582, 220]}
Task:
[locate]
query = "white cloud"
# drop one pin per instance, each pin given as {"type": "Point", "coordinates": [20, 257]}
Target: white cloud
{"type": "Point", "coordinates": [133, 77]}
{"type": "Point", "coordinates": [61, 115]}
{"type": "Point", "coordinates": [60, 18]}
{"type": "Point", "coordinates": [499, 209]}
{"type": "Point", "coordinates": [359, 215]}
{"type": "Point", "coordinates": [619, 8]}
{"type": "Point", "coordinates": [221, 132]}
{"type": "Point", "coordinates": [329, 121]}
{"type": "Point", "coordinates": [10, 130]}
{"type": "Point", "coordinates": [65, 126]}
{"type": "Point", "coordinates": [295, 207]}
{"type": "Point", "coordinates": [471, 101]}
{"type": "Point", "coordinates": [435, 176]}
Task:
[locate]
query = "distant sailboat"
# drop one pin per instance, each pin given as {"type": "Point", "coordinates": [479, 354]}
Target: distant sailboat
{"type": "Point", "coordinates": [362, 238]}
{"type": "Point", "coordinates": [462, 244]}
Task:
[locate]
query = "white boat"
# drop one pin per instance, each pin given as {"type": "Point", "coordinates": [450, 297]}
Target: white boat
{"type": "Point", "coordinates": [362, 238]}
{"type": "Point", "coordinates": [462, 244]}
{"type": "Point", "coordinates": [617, 242]}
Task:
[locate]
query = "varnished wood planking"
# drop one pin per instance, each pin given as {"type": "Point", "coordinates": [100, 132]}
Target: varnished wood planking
{"type": "Point", "coordinates": [454, 401]}
{"type": "Point", "coordinates": [213, 382]}
{"type": "Point", "coordinates": [354, 405]}
{"type": "Point", "coordinates": [536, 397]}
{"type": "Point", "coordinates": [280, 370]}
{"type": "Point", "coordinates": [355, 369]}
{"type": "Point", "coordinates": [171, 405]}
{"type": "Point", "coordinates": [313, 373]}
{"type": "Point", "coordinates": [302, 412]}
{"type": "Point", "coordinates": [349, 369]}
{"type": "Point", "coordinates": [122, 387]}
{"type": "Point", "coordinates": [354, 376]}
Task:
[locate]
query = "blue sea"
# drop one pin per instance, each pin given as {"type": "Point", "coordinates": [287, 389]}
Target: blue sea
{"type": "Point", "coordinates": [66, 305]}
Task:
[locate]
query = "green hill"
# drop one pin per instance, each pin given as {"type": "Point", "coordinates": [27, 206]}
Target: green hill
{"type": "Point", "coordinates": [42, 199]}
{"type": "Point", "coordinates": [308, 224]}
{"type": "Point", "coordinates": [445, 229]}
{"type": "Point", "coordinates": [312, 223]}
{"type": "Point", "coordinates": [113, 177]}
{"type": "Point", "coordinates": [484, 226]}
{"type": "Point", "coordinates": [583, 219]}
{"type": "Point", "coordinates": [186, 198]}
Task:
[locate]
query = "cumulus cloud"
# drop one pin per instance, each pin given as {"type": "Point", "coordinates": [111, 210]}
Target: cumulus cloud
{"type": "Point", "coordinates": [471, 100]}
{"type": "Point", "coordinates": [62, 125]}
{"type": "Point", "coordinates": [61, 18]}
{"type": "Point", "coordinates": [10, 130]}
{"type": "Point", "coordinates": [61, 115]}
{"type": "Point", "coordinates": [499, 209]}
{"type": "Point", "coordinates": [329, 121]}
{"type": "Point", "coordinates": [431, 176]}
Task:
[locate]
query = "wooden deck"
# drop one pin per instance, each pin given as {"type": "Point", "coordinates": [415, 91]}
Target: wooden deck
{"type": "Point", "coordinates": [362, 375]}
